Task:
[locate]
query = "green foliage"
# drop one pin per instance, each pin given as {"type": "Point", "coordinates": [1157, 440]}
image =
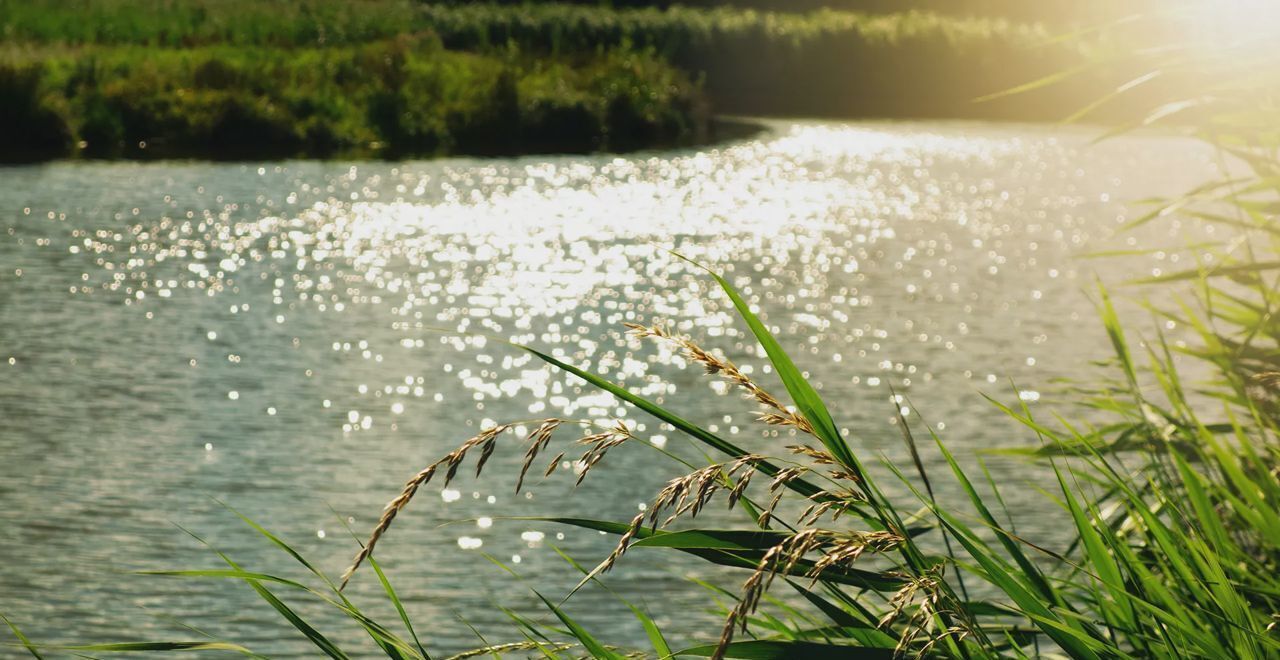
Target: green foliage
{"type": "Point", "coordinates": [404, 95]}
{"type": "Point", "coordinates": [1058, 11]}
{"type": "Point", "coordinates": [822, 62]}
{"type": "Point", "coordinates": [190, 23]}
{"type": "Point", "coordinates": [566, 27]}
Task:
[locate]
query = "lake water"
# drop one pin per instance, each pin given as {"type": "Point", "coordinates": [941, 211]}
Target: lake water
{"type": "Point", "coordinates": [295, 339]}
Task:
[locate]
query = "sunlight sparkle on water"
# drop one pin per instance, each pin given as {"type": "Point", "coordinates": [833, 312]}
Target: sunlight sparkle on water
{"type": "Point", "coordinates": [335, 328]}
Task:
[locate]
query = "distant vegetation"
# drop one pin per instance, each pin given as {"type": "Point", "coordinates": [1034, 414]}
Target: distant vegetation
{"type": "Point", "coordinates": [331, 22]}
{"type": "Point", "coordinates": [1056, 11]}
{"type": "Point", "coordinates": [403, 95]}
{"type": "Point", "coordinates": [103, 77]}
{"type": "Point", "coordinates": [826, 62]}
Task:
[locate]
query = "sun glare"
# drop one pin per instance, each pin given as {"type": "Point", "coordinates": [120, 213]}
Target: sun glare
{"type": "Point", "coordinates": [1232, 24]}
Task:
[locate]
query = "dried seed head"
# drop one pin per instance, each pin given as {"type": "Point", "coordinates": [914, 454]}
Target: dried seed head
{"type": "Point", "coordinates": [924, 593]}
{"type": "Point", "coordinates": [499, 649]}
{"type": "Point", "coordinates": [537, 440]}
{"type": "Point", "coordinates": [389, 512]}
{"type": "Point", "coordinates": [837, 548]}
{"type": "Point", "coordinates": [555, 463]}
{"type": "Point", "coordinates": [740, 488]}
{"type": "Point", "coordinates": [485, 452]}
{"type": "Point", "coordinates": [486, 440]}
{"type": "Point", "coordinates": [923, 588]}
{"type": "Point", "coordinates": [819, 456]}
{"type": "Point", "coordinates": [781, 558]}
{"type": "Point", "coordinates": [599, 444]}
{"type": "Point", "coordinates": [848, 547]}
{"type": "Point", "coordinates": [687, 495]}
{"type": "Point", "coordinates": [776, 413]}
{"type": "Point", "coordinates": [623, 544]}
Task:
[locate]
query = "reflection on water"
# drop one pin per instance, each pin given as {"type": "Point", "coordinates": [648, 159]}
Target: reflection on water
{"type": "Point", "coordinates": [296, 339]}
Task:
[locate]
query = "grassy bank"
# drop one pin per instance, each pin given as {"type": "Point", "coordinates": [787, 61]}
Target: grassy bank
{"type": "Point", "coordinates": [558, 25]}
{"type": "Point", "coordinates": [319, 76]}
{"type": "Point", "coordinates": [1057, 12]}
{"type": "Point", "coordinates": [824, 63]}
{"type": "Point", "coordinates": [396, 96]}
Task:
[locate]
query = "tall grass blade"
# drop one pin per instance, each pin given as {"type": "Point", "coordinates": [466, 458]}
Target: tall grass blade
{"type": "Point", "coordinates": [702, 435]}
{"type": "Point", "coordinates": [395, 600]}
{"type": "Point", "coordinates": [802, 393]}
{"type": "Point", "coordinates": [597, 649]}
{"type": "Point", "coordinates": [791, 650]}
{"type": "Point", "coordinates": [22, 638]}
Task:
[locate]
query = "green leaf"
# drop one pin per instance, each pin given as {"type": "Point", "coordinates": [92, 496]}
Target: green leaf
{"type": "Point", "coordinates": [316, 637]}
{"type": "Point", "coordinates": [856, 629]}
{"type": "Point", "coordinates": [389, 644]}
{"type": "Point", "coordinates": [1046, 81]}
{"type": "Point", "coordinates": [1074, 641]}
{"type": "Point", "coordinates": [395, 600]}
{"type": "Point", "coordinates": [698, 433]}
{"type": "Point", "coordinates": [748, 559]}
{"type": "Point", "coordinates": [715, 538]}
{"type": "Point", "coordinates": [791, 650]}
{"type": "Point", "coordinates": [651, 629]}
{"type": "Point", "coordinates": [650, 626]}
{"type": "Point", "coordinates": [31, 648]}
{"type": "Point", "coordinates": [853, 577]}
{"type": "Point", "coordinates": [802, 393]}
{"type": "Point", "coordinates": [1100, 560]}
{"type": "Point", "coordinates": [1219, 271]}
{"type": "Point", "coordinates": [597, 649]}
{"type": "Point", "coordinates": [128, 647]}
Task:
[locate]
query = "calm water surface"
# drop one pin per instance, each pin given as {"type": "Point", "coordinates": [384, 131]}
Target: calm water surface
{"type": "Point", "coordinates": [270, 335]}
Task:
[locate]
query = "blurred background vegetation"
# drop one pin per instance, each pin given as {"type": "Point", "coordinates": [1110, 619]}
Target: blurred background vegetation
{"type": "Point", "coordinates": [137, 78]}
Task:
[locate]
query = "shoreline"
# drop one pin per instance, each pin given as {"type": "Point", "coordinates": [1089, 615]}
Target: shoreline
{"type": "Point", "coordinates": [723, 130]}
{"type": "Point", "coordinates": [719, 130]}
